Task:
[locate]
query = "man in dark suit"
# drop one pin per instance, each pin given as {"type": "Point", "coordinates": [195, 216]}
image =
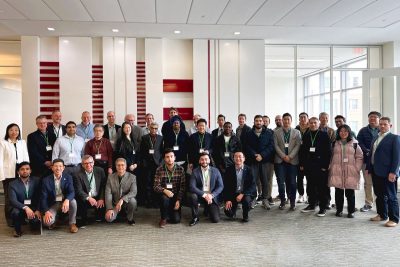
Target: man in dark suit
{"type": "Point", "coordinates": [55, 127]}
{"type": "Point", "coordinates": [384, 164]}
{"type": "Point", "coordinates": [239, 187]}
{"type": "Point", "coordinates": [40, 148]}
{"type": "Point", "coordinates": [150, 157]}
{"type": "Point", "coordinates": [199, 142]}
{"type": "Point", "coordinates": [111, 129]}
{"type": "Point", "coordinates": [90, 182]}
{"type": "Point", "coordinates": [220, 130]}
{"type": "Point", "coordinates": [205, 185]}
{"type": "Point", "coordinates": [24, 194]}
{"type": "Point", "coordinates": [58, 194]}
{"type": "Point", "coordinates": [243, 128]}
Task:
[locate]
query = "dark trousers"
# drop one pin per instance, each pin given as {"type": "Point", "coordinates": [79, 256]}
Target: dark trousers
{"type": "Point", "coordinates": [167, 209]}
{"type": "Point", "coordinates": [84, 206]}
{"type": "Point", "coordinates": [246, 203]}
{"type": "Point", "coordinates": [300, 182]}
{"type": "Point", "coordinates": [18, 217]}
{"type": "Point", "coordinates": [211, 209]}
{"type": "Point", "coordinates": [7, 208]}
{"type": "Point", "coordinates": [318, 185]}
{"type": "Point", "coordinates": [387, 204]}
{"type": "Point", "coordinates": [102, 164]}
{"type": "Point", "coordinates": [339, 199]}
{"type": "Point", "coordinates": [286, 175]}
{"type": "Point", "coordinates": [146, 194]}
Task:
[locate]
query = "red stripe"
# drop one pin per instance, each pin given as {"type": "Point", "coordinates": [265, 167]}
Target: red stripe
{"type": "Point", "coordinates": [97, 71]}
{"type": "Point", "coordinates": [50, 86]}
{"type": "Point", "coordinates": [49, 101]}
{"type": "Point", "coordinates": [49, 71]}
{"type": "Point", "coordinates": [48, 109]}
{"type": "Point", "coordinates": [49, 64]}
{"type": "Point", "coordinates": [97, 106]}
{"type": "Point", "coordinates": [49, 79]}
{"type": "Point", "coordinates": [177, 85]}
{"type": "Point", "coordinates": [97, 76]}
{"type": "Point", "coordinates": [97, 86]}
{"type": "Point", "coordinates": [97, 66]}
{"type": "Point", "coordinates": [50, 94]}
{"type": "Point", "coordinates": [97, 101]}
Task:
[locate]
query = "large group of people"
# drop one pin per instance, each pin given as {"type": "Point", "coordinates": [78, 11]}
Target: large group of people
{"type": "Point", "coordinates": [111, 169]}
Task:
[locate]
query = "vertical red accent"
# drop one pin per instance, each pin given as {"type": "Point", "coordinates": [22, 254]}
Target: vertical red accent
{"type": "Point", "coordinates": [209, 89]}
{"type": "Point", "coordinates": [49, 92]}
{"type": "Point", "coordinates": [141, 92]}
{"type": "Point", "coordinates": [97, 94]}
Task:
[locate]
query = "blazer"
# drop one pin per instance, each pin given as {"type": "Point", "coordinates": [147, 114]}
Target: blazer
{"type": "Point", "coordinates": [105, 128]}
{"type": "Point", "coordinates": [182, 142]}
{"type": "Point", "coordinates": [17, 194]}
{"type": "Point", "coordinates": [167, 126]}
{"type": "Point", "coordinates": [215, 132]}
{"type": "Point", "coordinates": [294, 145]}
{"type": "Point", "coordinates": [8, 159]}
{"type": "Point", "coordinates": [230, 183]}
{"type": "Point", "coordinates": [263, 145]}
{"type": "Point", "coordinates": [216, 183]}
{"type": "Point", "coordinates": [62, 131]}
{"type": "Point", "coordinates": [48, 192]}
{"type": "Point", "coordinates": [82, 186]}
{"type": "Point", "coordinates": [38, 152]}
{"type": "Point", "coordinates": [319, 159]}
{"type": "Point", "coordinates": [386, 156]}
{"type": "Point", "coordinates": [194, 146]}
{"type": "Point", "coordinates": [234, 145]}
{"type": "Point", "coordinates": [136, 134]}
{"type": "Point", "coordinates": [245, 129]}
{"type": "Point", "coordinates": [364, 137]}
{"type": "Point", "coordinates": [116, 191]}
{"type": "Point", "coordinates": [146, 158]}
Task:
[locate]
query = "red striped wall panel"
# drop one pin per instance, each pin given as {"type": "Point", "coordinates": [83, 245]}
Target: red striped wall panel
{"type": "Point", "coordinates": [141, 93]}
{"type": "Point", "coordinates": [178, 85]}
{"type": "Point", "coordinates": [97, 94]}
{"type": "Point", "coordinates": [49, 89]}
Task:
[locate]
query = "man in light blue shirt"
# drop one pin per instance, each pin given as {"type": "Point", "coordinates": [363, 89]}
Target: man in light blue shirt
{"type": "Point", "coordinates": [85, 129]}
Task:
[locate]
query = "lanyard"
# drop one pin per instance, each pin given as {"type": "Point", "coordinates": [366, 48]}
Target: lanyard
{"type": "Point", "coordinates": [90, 181]}
{"type": "Point", "coordinates": [151, 141]}
{"type": "Point", "coordinates": [169, 177]}
{"type": "Point", "coordinates": [86, 131]}
{"type": "Point", "coordinates": [98, 146]}
{"type": "Point", "coordinates": [201, 139]}
{"type": "Point", "coordinates": [58, 130]}
{"type": "Point", "coordinates": [313, 139]}
{"type": "Point", "coordinates": [71, 143]}
{"type": "Point", "coordinates": [111, 131]}
{"type": "Point", "coordinates": [46, 138]}
{"type": "Point", "coordinates": [286, 136]}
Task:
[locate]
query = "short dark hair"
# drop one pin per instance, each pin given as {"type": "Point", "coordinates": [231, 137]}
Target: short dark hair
{"type": "Point", "coordinates": [204, 154]}
{"type": "Point", "coordinates": [287, 115]}
{"type": "Point", "coordinates": [376, 113]}
{"type": "Point", "coordinates": [201, 120]}
{"type": "Point", "coordinates": [257, 117]}
{"type": "Point", "coordinates": [24, 163]}
{"type": "Point", "coordinates": [242, 115]}
{"type": "Point", "coordinates": [221, 116]}
{"type": "Point", "coordinates": [9, 127]}
{"type": "Point", "coordinates": [303, 113]}
{"type": "Point", "coordinates": [266, 116]}
{"type": "Point", "coordinates": [40, 117]}
{"type": "Point", "coordinates": [227, 122]}
{"type": "Point", "coordinates": [167, 151]}
{"type": "Point", "coordinates": [385, 119]}
{"type": "Point", "coordinates": [58, 160]}
{"type": "Point", "coordinates": [173, 108]}
{"type": "Point", "coordinates": [348, 129]}
{"type": "Point", "coordinates": [70, 122]}
{"type": "Point", "coordinates": [340, 117]}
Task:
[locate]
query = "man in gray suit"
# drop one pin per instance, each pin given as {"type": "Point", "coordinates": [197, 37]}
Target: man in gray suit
{"type": "Point", "coordinates": [120, 193]}
{"type": "Point", "coordinates": [287, 143]}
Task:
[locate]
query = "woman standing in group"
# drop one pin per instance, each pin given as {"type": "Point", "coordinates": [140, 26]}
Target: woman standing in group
{"type": "Point", "coordinates": [344, 170]}
{"type": "Point", "coordinates": [13, 150]}
{"type": "Point", "coordinates": [126, 147]}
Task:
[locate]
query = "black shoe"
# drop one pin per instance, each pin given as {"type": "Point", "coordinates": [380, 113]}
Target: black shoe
{"type": "Point", "coordinates": [17, 234]}
{"type": "Point", "coordinates": [245, 219]}
{"type": "Point", "coordinates": [292, 208]}
{"type": "Point", "coordinates": [321, 213]}
{"type": "Point", "coordinates": [132, 222]}
{"type": "Point", "coordinates": [282, 206]}
{"type": "Point", "coordinates": [309, 208]}
{"type": "Point", "coordinates": [194, 221]}
{"type": "Point", "coordinates": [259, 198]}
{"type": "Point", "coordinates": [350, 215]}
{"type": "Point", "coordinates": [328, 207]}
{"type": "Point", "coordinates": [339, 214]}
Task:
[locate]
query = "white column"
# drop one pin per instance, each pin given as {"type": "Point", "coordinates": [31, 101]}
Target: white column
{"type": "Point", "coordinates": [119, 78]}
{"type": "Point", "coordinates": [108, 77]}
{"type": "Point", "coordinates": [75, 76]}
{"type": "Point", "coordinates": [200, 77]}
{"type": "Point", "coordinates": [130, 72]}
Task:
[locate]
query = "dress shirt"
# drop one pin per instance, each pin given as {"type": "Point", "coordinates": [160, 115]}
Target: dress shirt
{"type": "Point", "coordinates": [69, 149]}
{"type": "Point", "coordinates": [86, 132]}
{"type": "Point", "coordinates": [102, 147]}
{"type": "Point", "coordinates": [239, 179]}
{"type": "Point", "coordinates": [92, 184]}
{"type": "Point", "coordinates": [57, 185]}
{"type": "Point", "coordinates": [376, 143]}
{"type": "Point", "coordinates": [206, 179]}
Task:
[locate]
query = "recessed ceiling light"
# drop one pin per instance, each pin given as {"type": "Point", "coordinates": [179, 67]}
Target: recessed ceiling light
{"type": "Point", "coordinates": [51, 29]}
{"type": "Point", "coordinates": [236, 33]}
{"type": "Point", "coordinates": [65, 41]}
{"type": "Point", "coordinates": [115, 30]}
{"type": "Point", "coordinates": [177, 32]}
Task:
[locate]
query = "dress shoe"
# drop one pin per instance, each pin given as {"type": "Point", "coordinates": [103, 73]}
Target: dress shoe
{"type": "Point", "coordinates": [377, 218]}
{"type": "Point", "coordinates": [162, 223]}
{"type": "Point", "coordinates": [73, 229]}
{"type": "Point", "coordinates": [339, 214]}
{"type": "Point", "coordinates": [51, 227]}
{"type": "Point", "coordinates": [292, 208]}
{"type": "Point", "coordinates": [350, 215]}
{"type": "Point", "coordinates": [245, 219]}
{"type": "Point", "coordinates": [390, 224]}
{"type": "Point", "coordinates": [17, 234]}
{"type": "Point", "coordinates": [194, 221]}
{"type": "Point", "coordinates": [131, 222]}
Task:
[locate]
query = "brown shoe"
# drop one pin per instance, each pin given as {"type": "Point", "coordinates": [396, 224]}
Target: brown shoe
{"type": "Point", "coordinates": [162, 223]}
{"type": "Point", "coordinates": [377, 218]}
{"type": "Point", "coordinates": [73, 228]}
{"type": "Point", "coordinates": [390, 224]}
{"type": "Point", "coordinates": [17, 234]}
{"type": "Point", "coordinates": [51, 227]}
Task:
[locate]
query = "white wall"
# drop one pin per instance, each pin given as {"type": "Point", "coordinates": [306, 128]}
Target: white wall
{"type": "Point", "coordinates": [10, 110]}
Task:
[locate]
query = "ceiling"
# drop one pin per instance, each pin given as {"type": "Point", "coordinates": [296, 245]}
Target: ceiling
{"type": "Point", "coordinates": [276, 21]}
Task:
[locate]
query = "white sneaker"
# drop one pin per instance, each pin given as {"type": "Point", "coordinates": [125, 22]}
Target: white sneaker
{"type": "Point", "coordinates": [300, 199]}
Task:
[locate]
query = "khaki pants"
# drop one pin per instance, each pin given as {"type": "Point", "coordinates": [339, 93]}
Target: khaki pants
{"type": "Point", "coordinates": [369, 198]}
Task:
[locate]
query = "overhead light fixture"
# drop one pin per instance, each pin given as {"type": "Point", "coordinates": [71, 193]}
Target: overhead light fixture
{"type": "Point", "coordinates": [121, 41]}
{"type": "Point", "coordinates": [65, 41]}
{"type": "Point", "coordinates": [177, 31]}
{"type": "Point", "coordinates": [236, 33]}
{"type": "Point", "coordinates": [51, 29]}
{"type": "Point", "coordinates": [115, 30]}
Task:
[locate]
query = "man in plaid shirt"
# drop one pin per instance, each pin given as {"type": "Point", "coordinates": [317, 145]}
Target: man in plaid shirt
{"type": "Point", "coordinates": [169, 183]}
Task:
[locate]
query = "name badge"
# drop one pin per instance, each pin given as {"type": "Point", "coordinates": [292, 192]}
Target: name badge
{"type": "Point", "coordinates": [71, 155]}
{"type": "Point", "coordinates": [58, 198]}
{"type": "Point", "coordinates": [133, 152]}
{"type": "Point", "coordinates": [169, 186]}
{"type": "Point", "coordinates": [226, 154]}
{"type": "Point", "coordinates": [27, 202]}
{"type": "Point", "coordinates": [312, 149]}
{"type": "Point", "coordinates": [201, 150]}
{"type": "Point", "coordinates": [87, 140]}
{"type": "Point", "coordinates": [151, 151]}
{"type": "Point", "coordinates": [48, 148]}
{"type": "Point", "coordinates": [176, 148]}
{"type": "Point", "coordinates": [286, 145]}
{"type": "Point", "coordinates": [345, 160]}
{"type": "Point", "coordinates": [97, 156]}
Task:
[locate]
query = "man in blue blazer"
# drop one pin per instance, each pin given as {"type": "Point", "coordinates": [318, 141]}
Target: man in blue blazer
{"type": "Point", "coordinates": [58, 193]}
{"type": "Point", "coordinates": [24, 195]}
{"type": "Point", "coordinates": [239, 187]}
{"type": "Point", "coordinates": [205, 185]}
{"type": "Point", "coordinates": [384, 164]}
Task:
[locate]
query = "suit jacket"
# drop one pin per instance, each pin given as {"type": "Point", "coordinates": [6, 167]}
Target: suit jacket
{"type": "Point", "coordinates": [263, 145]}
{"type": "Point", "coordinates": [319, 159]}
{"type": "Point", "coordinates": [38, 153]}
{"type": "Point", "coordinates": [194, 146]}
{"type": "Point", "coordinates": [182, 142]}
{"type": "Point", "coordinates": [116, 191]}
{"type": "Point", "coordinates": [82, 186]}
{"type": "Point", "coordinates": [386, 156]}
{"type": "Point", "coordinates": [219, 151]}
{"type": "Point", "coordinates": [230, 183]}
{"type": "Point", "coordinates": [50, 130]}
{"type": "Point", "coordinates": [215, 132]}
{"type": "Point", "coordinates": [245, 129]}
{"type": "Point", "coordinates": [48, 193]}
{"type": "Point", "coordinates": [216, 183]}
{"type": "Point", "coordinates": [105, 128]}
{"type": "Point", "coordinates": [17, 194]}
{"type": "Point", "coordinates": [146, 158]}
{"type": "Point", "coordinates": [294, 145]}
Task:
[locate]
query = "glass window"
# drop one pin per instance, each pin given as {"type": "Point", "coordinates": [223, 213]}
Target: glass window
{"type": "Point", "coordinates": [343, 57]}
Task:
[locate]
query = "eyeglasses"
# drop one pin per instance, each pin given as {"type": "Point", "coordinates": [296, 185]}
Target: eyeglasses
{"type": "Point", "coordinates": [88, 163]}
